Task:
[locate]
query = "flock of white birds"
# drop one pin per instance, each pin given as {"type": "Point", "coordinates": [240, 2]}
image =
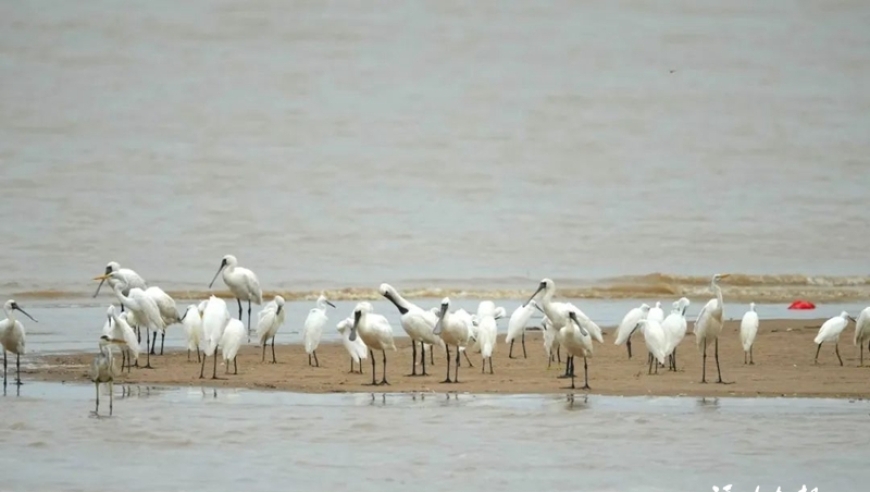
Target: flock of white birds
{"type": "Point", "coordinates": [209, 327]}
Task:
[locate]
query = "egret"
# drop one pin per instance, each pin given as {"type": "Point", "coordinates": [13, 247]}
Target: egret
{"type": "Point", "coordinates": [214, 321]}
{"type": "Point", "coordinates": [231, 341]}
{"type": "Point", "coordinates": [270, 319]}
{"type": "Point", "coordinates": [356, 349]}
{"type": "Point", "coordinates": [119, 329]}
{"type": "Point", "coordinates": [128, 277]}
{"type": "Point", "coordinates": [830, 332]}
{"type": "Point", "coordinates": [417, 322]}
{"type": "Point", "coordinates": [313, 328]}
{"type": "Point", "coordinates": [168, 313]}
{"type": "Point", "coordinates": [12, 337]}
{"type": "Point", "coordinates": [463, 316]}
{"type": "Point", "coordinates": [454, 331]}
{"type": "Point", "coordinates": [551, 341]}
{"type": "Point", "coordinates": [103, 370]}
{"type": "Point", "coordinates": [242, 283]}
{"type": "Point", "coordinates": [708, 325]}
{"type": "Point", "coordinates": [628, 324]}
{"type": "Point", "coordinates": [192, 323]}
{"type": "Point", "coordinates": [862, 331]}
{"type": "Point", "coordinates": [675, 327]}
{"type": "Point", "coordinates": [578, 342]}
{"type": "Point", "coordinates": [748, 330]}
{"type": "Point", "coordinates": [487, 333]}
{"type": "Point", "coordinates": [375, 332]}
{"type": "Point", "coordinates": [656, 342]}
{"type": "Point", "coordinates": [656, 313]}
{"type": "Point", "coordinates": [517, 326]}
{"type": "Point", "coordinates": [143, 307]}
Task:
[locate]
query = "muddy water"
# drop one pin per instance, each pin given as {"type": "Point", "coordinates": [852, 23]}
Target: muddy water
{"type": "Point", "coordinates": [192, 438]}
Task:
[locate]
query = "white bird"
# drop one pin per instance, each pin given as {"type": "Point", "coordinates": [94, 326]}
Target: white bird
{"type": "Point", "coordinates": [517, 326]}
{"type": "Point", "coordinates": [708, 325]}
{"type": "Point", "coordinates": [12, 337]}
{"type": "Point", "coordinates": [830, 332]}
{"type": "Point", "coordinates": [577, 342]}
{"type": "Point", "coordinates": [129, 279]}
{"type": "Point", "coordinates": [231, 341]}
{"type": "Point", "coordinates": [356, 349]}
{"type": "Point", "coordinates": [270, 319]}
{"type": "Point", "coordinates": [417, 322]}
{"type": "Point", "coordinates": [214, 321]}
{"type": "Point", "coordinates": [119, 329]}
{"type": "Point", "coordinates": [551, 341]}
{"type": "Point", "coordinates": [168, 313]}
{"type": "Point", "coordinates": [376, 333]}
{"type": "Point", "coordinates": [656, 342]}
{"type": "Point", "coordinates": [103, 370]}
{"type": "Point", "coordinates": [143, 307]}
{"type": "Point", "coordinates": [656, 313]}
{"type": "Point", "coordinates": [191, 320]}
{"type": "Point", "coordinates": [464, 316]}
{"type": "Point", "coordinates": [862, 331]}
{"type": "Point", "coordinates": [455, 331]}
{"type": "Point", "coordinates": [242, 283]}
{"type": "Point", "coordinates": [675, 326]}
{"type": "Point", "coordinates": [628, 325]}
{"type": "Point", "coordinates": [748, 330]}
{"type": "Point", "coordinates": [487, 334]}
{"type": "Point", "coordinates": [313, 328]}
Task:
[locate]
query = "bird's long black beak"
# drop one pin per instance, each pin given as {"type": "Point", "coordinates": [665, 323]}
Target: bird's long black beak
{"type": "Point", "coordinates": [573, 317]}
{"type": "Point", "coordinates": [331, 304]}
{"type": "Point", "coordinates": [278, 311]}
{"type": "Point", "coordinates": [185, 314]}
{"type": "Point", "coordinates": [540, 288]}
{"type": "Point", "coordinates": [223, 264]}
{"type": "Point", "coordinates": [25, 313]}
{"type": "Point", "coordinates": [356, 316]}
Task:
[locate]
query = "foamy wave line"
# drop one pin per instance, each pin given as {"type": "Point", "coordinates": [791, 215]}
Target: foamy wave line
{"type": "Point", "coordinates": [747, 280]}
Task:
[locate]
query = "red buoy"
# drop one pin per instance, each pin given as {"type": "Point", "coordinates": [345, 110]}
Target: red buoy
{"type": "Point", "coordinates": [801, 304]}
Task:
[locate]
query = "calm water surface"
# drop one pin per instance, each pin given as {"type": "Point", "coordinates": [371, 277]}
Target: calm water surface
{"type": "Point", "coordinates": [197, 438]}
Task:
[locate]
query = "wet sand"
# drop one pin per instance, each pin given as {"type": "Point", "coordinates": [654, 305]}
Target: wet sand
{"type": "Point", "coordinates": [783, 355]}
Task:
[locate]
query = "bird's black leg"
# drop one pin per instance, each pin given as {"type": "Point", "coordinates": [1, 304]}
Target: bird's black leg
{"type": "Point", "coordinates": [456, 366]}
{"type": "Point", "coordinates": [751, 362]}
{"type": "Point", "coordinates": [628, 346]}
{"type": "Point", "coordinates": [309, 359]}
{"type": "Point", "coordinates": [559, 354]}
{"type": "Point", "coordinates": [490, 365]}
{"type": "Point", "coordinates": [423, 357]}
{"type": "Point", "coordinates": [649, 359]}
{"type": "Point", "coordinates": [861, 363]}
{"type": "Point", "coordinates": [384, 379]}
{"type": "Point", "coordinates": [274, 360]}
{"type": "Point", "coordinates": [837, 351]}
{"type": "Point", "coordinates": [704, 363]}
{"type": "Point", "coordinates": [4, 367]}
{"type": "Point", "coordinates": [240, 308]}
{"type": "Point", "coordinates": [818, 349]}
{"type": "Point", "coordinates": [18, 369]}
{"type": "Point", "coordinates": [716, 353]}
{"type": "Point", "coordinates": [197, 353]}
{"type": "Point", "coordinates": [511, 351]}
{"type": "Point", "coordinates": [249, 320]}
{"type": "Point", "coordinates": [585, 374]}
{"type": "Point", "coordinates": [235, 367]}
{"type": "Point", "coordinates": [466, 357]}
{"type": "Point", "coordinates": [162, 337]}
{"type": "Point", "coordinates": [263, 359]}
{"type": "Point", "coordinates": [447, 347]}
{"type": "Point", "coordinates": [372, 357]}
{"type": "Point", "coordinates": [214, 369]}
{"type": "Point", "coordinates": [316, 362]}
{"type": "Point", "coordinates": [524, 343]}
{"type": "Point", "coordinates": [413, 358]}
{"type": "Point", "coordinates": [202, 367]}
{"type": "Point", "coordinates": [188, 355]}
{"type": "Point", "coordinates": [147, 352]}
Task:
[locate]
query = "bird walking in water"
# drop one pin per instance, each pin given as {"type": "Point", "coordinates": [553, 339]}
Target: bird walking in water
{"type": "Point", "coordinates": [270, 319]}
{"type": "Point", "coordinates": [143, 307]}
{"type": "Point", "coordinates": [313, 328]}
{"type": "Point", "coordinates": [748, 330]}
{"type": "Point", "coordinates": [103, 370]}
{"type": "Point", "coordinates": [12, 337]}
{"type": "Point", "coordinates": [830, 332]}
{"type": "Point", "coordinates": [708, 326]}
{"type": "Point", "coordinates": [242, 283]}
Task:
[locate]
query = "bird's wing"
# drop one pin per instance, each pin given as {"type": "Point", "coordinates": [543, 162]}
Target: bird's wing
{"type": "Point", "coordinates": [254, 287]}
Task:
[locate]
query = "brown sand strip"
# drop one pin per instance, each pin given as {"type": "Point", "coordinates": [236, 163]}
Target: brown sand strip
{"type": "Point", "coordinates": [783, 354]}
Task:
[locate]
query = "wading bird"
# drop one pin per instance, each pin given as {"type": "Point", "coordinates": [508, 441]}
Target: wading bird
{"type": "Point", "coordinates": [577, 342]}
{"type": "Point", "coordinates": [128, 277]}
{"type": "Point", "coordinates": [628, 324]}
{"type": "Point", "coordinates": [12, 337]}
{"type": "Point", "coordinates": [708, 325]}
{"type": "Point", "coordinates": [313, 328]}
{"type": "Point", "coordinates": [356, 349]}
{"type": "Point", "coordinates": [748, 330]}
{"type": "Point", "coordinates": [214, 321]}
{"type": "Point", "coordinates": [142, 306]}
{"type": "Point", "coordinates": [417, 322]}
{"type": "Point", "coordinates": [517, 326]}
{"type": "Point", "coordinates": [119, 329]}
{"type": "Point", "coordinates": [675, 326]}
{"type": "Point", "coordinates": [454, 331]}
{"type": "Point", "coordinates": [230, 343]}
{"type": "Point", "coordinates": [103, 370]}
{"type": "Point", "coordinates": [270, 319]}
{"type": "Point", "coordinates": [191, 320]}
{"type": "Point", "coordinates": [375, 332]}
{"type": "Point", "coordinates": [862, 332]}
{"type": "Point", "coordinates": [830, 332]}
{"type": "Point", "coordinates": [242, 283]}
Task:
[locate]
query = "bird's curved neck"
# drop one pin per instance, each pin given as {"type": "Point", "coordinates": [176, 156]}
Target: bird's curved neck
{"type": "Point", "coordinates": [400, 302]}
{"type": "Point", "coordinates": [718, 292]}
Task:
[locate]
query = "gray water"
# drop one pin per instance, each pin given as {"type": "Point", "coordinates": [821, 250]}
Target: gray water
{"type": "Point", "coordinates": [334, 144]}
{"type": "Point", "coordinates": [224, 439]}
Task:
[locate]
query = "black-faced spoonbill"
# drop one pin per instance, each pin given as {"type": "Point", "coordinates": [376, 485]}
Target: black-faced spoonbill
{"type": "Point", "coordinates": [215, 318]}
{"type": "Point", "coordinates": [128, 278]}
{"type": "Point", "coordinates": [708, 325]}
{"type": "Point", "coordinates": [242, 283]}
{"type": "Point", "coordinates": [12, 337]}
{"type": "Point", "coordinates": [356, 349]}
{"type": "Point", "coordinates": [376, 333]}
{"type": "Point", "coordinates": [417, 322]}
{"type": "Point", "coordinates": [748, 330]}
{"type": "Point", "coordinates": [454, 331]}
{"type": "Point", "coordinates": [577, 342]}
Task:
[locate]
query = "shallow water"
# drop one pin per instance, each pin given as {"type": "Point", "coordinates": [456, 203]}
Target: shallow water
{"type": "Point", "coordinates": [425, 143]}
{"type": "Point", "coordinates": [226, 439]}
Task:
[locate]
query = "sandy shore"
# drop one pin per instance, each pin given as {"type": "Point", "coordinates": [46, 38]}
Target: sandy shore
{"type": "Point", "coordinates": [783, 356]}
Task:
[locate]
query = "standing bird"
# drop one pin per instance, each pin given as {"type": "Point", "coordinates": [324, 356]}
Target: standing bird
{"type": "Point", "coordinates": [230, 343]}
{"type": "Point", "coordinates": [214, 321]}
{"type": "Point", "coordinates": [168, 313]}
{"type": "Point", "coordinates": [375, 332]}
{"type": "Point", "coordinates": [143, 307]}
{"type": "Point", "coordinates": [103, 370]}
{"type": "Point", "coordinates": [628, 324]}
{"type": "Point", "coordinates": [454, 331]}
{"type": "Point", "coordinates": [356, 349]}
{"type": "Point", "coordinates": [708, 325]}
{"type": "Point", "coordinates": [487, 334]}
{"type": "Point", "coordinates": [862, 332]}
{"type": "Point", "coordinates": [313, 328]}
{"type": "Point", "coordinates": [270, 319]}
{"type": "Point", "coordinates": [119, 329]}
{"type": "Point", "coordinates": [12, 337]}
{"type": "Point", "coordinates": [417, 322]}
{"type": "Point", "coordinates": [577, 342]}
{"type": "Point", "coordinates": [192, 323]}
{"type": "Point", "coordinates": [128, 277]}
{"type": "Point", "coordinates": [656, 342]}
{"type": "Point", "coordinates": [675, 327]}
{"type": "Point", "coordinates": [517, 326]}
{"type": "Point", "coordinates": [242, 283]}
{"type": "Point", "coordinates": [830, 332]}
{"type": "Point", "coordinates": [748, 330]}
{"type": "Point", "coordinates": [551, 341]}
{"type": "Point", "coordinates": [656, 313]}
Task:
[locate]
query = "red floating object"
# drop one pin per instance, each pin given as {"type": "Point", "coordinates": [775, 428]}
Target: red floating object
{"type": "Point", "coordinates": [799, 304]}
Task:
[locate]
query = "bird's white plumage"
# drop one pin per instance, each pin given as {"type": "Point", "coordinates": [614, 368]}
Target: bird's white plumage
{"type": "Point", "coordinates": [119, 329]}
{"type": "Point", "coordinates": [166, 306]}
{"type": "Point", "coordinates": [487, 332]}
{"type": "Point", "coordinates": [417, 322]}
{"type": "Point", "coordinates": [214, 321]}
{"type": "Point", "coordinates": [748, 327]}
{"type": "Point", "coordinates": [126, 277]}
{"type": "Point", "coordinates": [576, 340]}
{"type": "Point", "coordinates": [519, 320]}
{"type": "Point", "coordinates": [231, 339]}
{"type": "Point", "coordinates": [656, 313]}
{"type": "Point", "coordinates": [629, 322]}
{"type": "Point", "coordinates": [675, 325]}
{"type": "Point", "coordinates": [270, 319]}
{"type": "Point", "coordinates": [708, 324]}
{"type": "Point", "coordinates": [12, 334]}
{"type": "Point", "coordinates": [356, 349]}
{"type": "Point", "coordinates": [831, 329]}
{"type": "Point", "coordinates": [654, 338]}
{"type": "Point", "coordinates": [314, 323]}
{"type": "Point", "coordinates": [192, 323]}
{"type": "Point", "coordinates": [454, 328]}
{"type": "Point", "coordinates": [374, 329]}
{"type": "Point", "coordinates": [243, 283]}
{"type": "Point", "coordinates": [862, 326]}
{"type": "Point", "coordinates": [551, 337]}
